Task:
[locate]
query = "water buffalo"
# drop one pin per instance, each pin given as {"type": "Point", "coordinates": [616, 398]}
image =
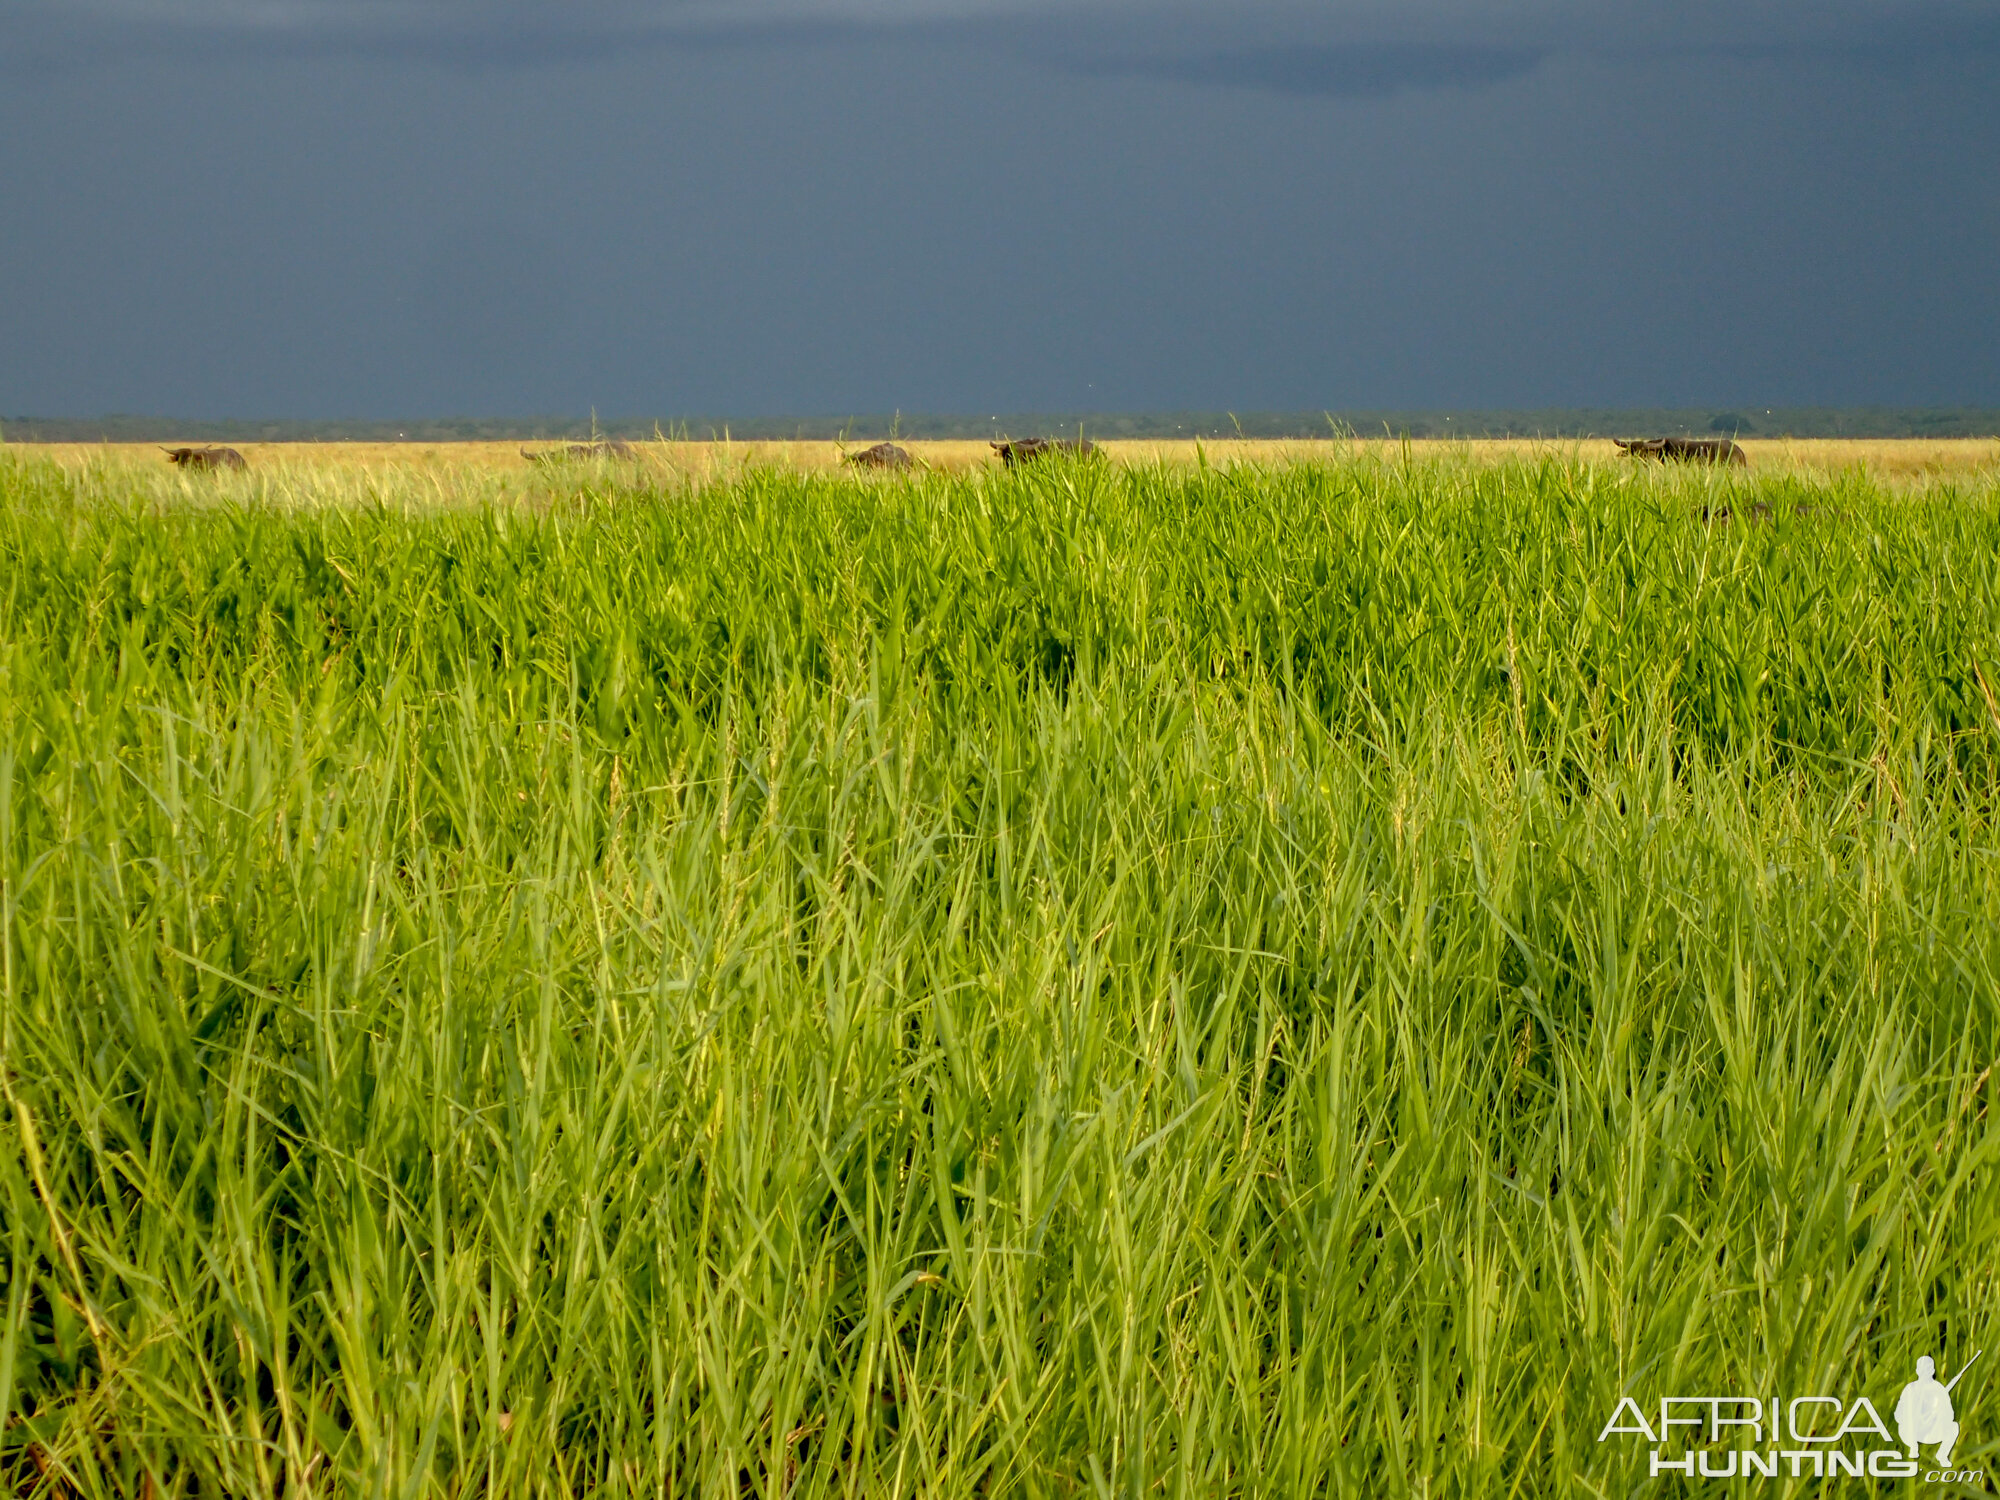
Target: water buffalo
{"type": "Point", "coordinates": [882, 456]}
{"type": "Point", "coordinates": [597, 448]}
{"type": "Point", "coordinates": [1763, 510]}
{"type": "Point", "coordinates": [1688, 450]}
{"type": "Point", "coordinates": [1760, 510]}
{"type": "Point", "coordinates": [1020, 450]}
{"type": "Point", "coordinates": [205, 458]}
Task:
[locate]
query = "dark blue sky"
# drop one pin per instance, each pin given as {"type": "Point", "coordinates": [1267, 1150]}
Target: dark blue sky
{"type": "Point", "coordinates": [436, 207]}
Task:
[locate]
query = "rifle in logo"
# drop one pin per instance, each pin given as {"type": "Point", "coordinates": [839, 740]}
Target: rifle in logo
{"type": "Point", "coordinates": [1923, 1411]}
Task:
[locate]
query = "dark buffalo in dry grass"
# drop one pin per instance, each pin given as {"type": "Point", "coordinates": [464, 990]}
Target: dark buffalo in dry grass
{"type": "Point", "coordinates": [205, 458]}
{"type": "Point", "coordinates": [882, 456]}
{"type": "Point", "coordinates": [1687, 450]}
{"type": "Point", "coordinates": [1021, 450]}
{"type": "Point", "coordinates": [573, 452]}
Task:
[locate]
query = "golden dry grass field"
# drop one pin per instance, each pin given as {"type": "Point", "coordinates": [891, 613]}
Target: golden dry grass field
{"type": "Point", "coordinates": [1903, 461]}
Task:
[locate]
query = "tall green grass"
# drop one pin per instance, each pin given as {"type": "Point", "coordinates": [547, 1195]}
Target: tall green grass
{"type": "Point", "coordinates": [1075, 983]}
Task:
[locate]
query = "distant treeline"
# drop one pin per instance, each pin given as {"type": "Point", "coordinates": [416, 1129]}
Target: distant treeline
{"type": "Point", "coordinates": [1555, 422]}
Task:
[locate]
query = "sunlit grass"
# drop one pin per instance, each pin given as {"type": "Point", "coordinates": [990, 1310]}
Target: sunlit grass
{"type": "Point", "coordinates": [1307, 979]}
{"type": "Point", "coordinates": [461, 466]}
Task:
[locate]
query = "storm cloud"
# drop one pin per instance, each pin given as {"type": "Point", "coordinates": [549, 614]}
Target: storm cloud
{"type": "Point", "coordinates": [1353, 70]}
{"type": "Point", "coordinates": [1354, 49]}
{"type": "Point", "coordinates": [436, 206]}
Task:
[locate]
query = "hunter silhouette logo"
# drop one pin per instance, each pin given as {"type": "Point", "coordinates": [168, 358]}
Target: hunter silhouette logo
{"type": "Point", "coordinates": [1924, 1414]}
{"type": "Point", "coordinates": [1800, 1436]}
